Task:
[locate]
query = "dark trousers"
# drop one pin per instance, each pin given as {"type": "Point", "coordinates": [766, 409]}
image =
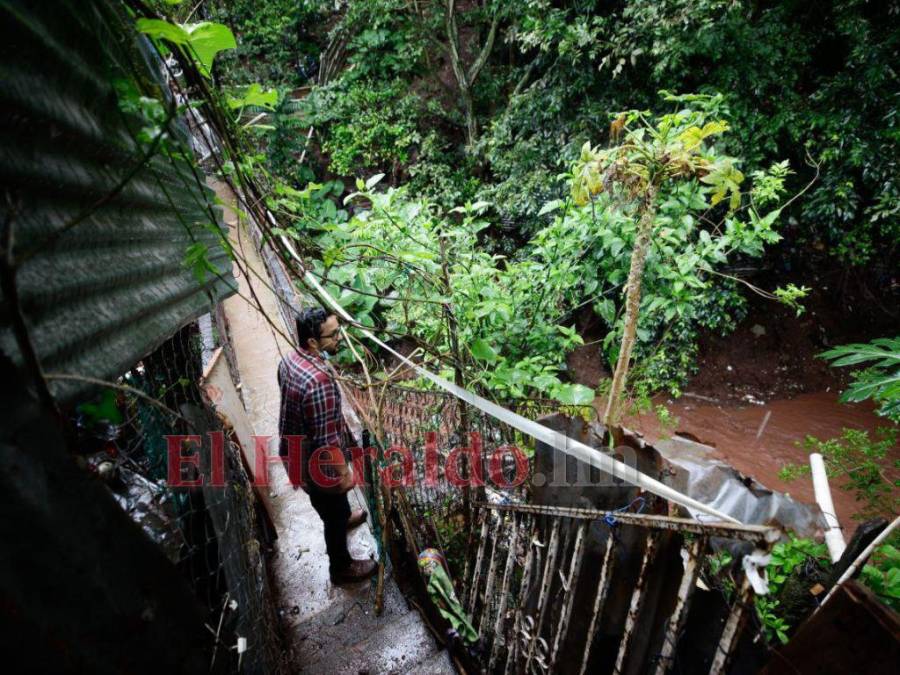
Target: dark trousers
{"type": "Point", "coordinates": [334, 510]}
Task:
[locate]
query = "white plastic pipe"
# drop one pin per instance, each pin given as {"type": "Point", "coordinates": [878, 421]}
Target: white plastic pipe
{"type": "Point", "coordinates": [834, 538]}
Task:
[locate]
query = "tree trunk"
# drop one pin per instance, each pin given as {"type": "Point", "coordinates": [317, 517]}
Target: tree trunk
{"type": "Point", "coordinates": [464, 79]}
{"type": "Point", "coordinates": [632, 308]}
{"type": "Point", "coordinates": [471, 121]}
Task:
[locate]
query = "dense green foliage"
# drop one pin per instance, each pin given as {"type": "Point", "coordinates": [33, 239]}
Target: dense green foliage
{"type": "Point", "coordinates": [275, 44]}
{"type": "Point", "coordinates": [372, 126]}
{"type": "Point", "coordinates": [398, 260]}
{"type": "Point", "coordinates": [882, 575]}
{"type": "Point", "coordinates": [862, 464]}
{"type": "Point", "coordinates": [386, 265]}
{"type": "Point", "coordinates": [805, 89]}
{"type": "Point", "coordinates": [414, 268]}
{"type": "Point", "coordinates": [402, 260]}
{"type": "Point", "coordinates": [797, 77]}
{"type": "Point", "coordinates": [788, 558]}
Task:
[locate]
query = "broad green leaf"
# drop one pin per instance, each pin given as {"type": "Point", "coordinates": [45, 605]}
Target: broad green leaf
{"type": "Point", "coordinates": [860, 391]}
{"type": "Point", "coordinates": [550, 206]}
{"type": "Point", "coordinates": [204, 39]}
{"type": "Point", "coordinates": [208, 39]}
{"type": "Point", "coordinates": [607, 310]}
{"type": "Point", "coordinates": [482, 351]}
{"type": "Point", "coordinates": [163, 30]}
{"type": "Point", "coordinates": [852, 354]}
{"type": "Point", "coordinates": [712, 128]}
{"type": "Point", "coordinates": [691, 138]}
{"type": "Point", "coordinates": [545, 382]}
{"type": "Point", "coordinates": [574, 394]}
{"type": "Point", "coordinates": [104, 408]}
{"type": "Point", "coordinates": [616, 246]}
{"type": "Point", "coordinates": [254, 95]}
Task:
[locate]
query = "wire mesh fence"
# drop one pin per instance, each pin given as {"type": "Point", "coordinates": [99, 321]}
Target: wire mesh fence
{"type": "Point", "coordinates": [454, 454]}
{"type": "Point", "coordinates": [177, 470]}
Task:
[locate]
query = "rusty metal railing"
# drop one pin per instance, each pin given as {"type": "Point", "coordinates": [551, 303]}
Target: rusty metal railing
{"type": "Point", "coordinates": [556, 589]}
{"type": "Point", "coordinates": [560, 589]}
{"type": "Point", "coordinates": [435, 510]}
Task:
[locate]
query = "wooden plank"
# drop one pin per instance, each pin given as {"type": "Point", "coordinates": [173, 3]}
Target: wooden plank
{"type": "Point", "coordinates": [853, 633]}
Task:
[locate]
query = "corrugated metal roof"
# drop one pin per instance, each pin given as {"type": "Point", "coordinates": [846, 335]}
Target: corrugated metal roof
{"type": "Point", "coordinates": [113, 287]}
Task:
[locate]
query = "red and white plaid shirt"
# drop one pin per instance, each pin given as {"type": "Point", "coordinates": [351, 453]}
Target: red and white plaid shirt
{"type": "Point", "coordinates": [310, 401]}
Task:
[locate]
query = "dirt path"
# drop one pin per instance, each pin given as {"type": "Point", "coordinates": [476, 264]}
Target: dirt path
{"type": "Point", "coordinates": [329, 629]}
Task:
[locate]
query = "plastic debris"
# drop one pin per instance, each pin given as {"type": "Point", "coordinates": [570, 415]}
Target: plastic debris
{"type": "Point", "coordinates": [440, 590]}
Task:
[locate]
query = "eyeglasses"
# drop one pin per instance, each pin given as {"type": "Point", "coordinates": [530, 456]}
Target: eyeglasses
{"type": "Point", "coordinates": [330, 335]}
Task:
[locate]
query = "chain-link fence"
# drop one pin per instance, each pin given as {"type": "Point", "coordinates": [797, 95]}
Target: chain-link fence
{"type": "Point", "coordinates": [177, 470]}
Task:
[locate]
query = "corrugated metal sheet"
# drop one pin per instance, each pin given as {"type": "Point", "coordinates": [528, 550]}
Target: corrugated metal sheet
{"type": "Point", "coordinates": [113, 287]}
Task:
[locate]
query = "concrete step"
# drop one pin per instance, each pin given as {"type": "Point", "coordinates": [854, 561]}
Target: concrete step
{"type": "Point", "coordinates": [398, 645]}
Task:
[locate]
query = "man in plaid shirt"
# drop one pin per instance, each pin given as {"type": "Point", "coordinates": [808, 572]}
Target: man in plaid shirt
{"type": "Point", "coordinates": [311, 408]}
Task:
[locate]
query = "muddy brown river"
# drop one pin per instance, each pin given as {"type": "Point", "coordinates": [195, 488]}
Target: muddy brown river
{"type": "Point", "coordinates": [759, 438]}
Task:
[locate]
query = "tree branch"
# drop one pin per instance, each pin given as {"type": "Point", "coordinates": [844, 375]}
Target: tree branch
{"type": "Point", "coordinates": [485, 50]}
{"type": "Point", "coordinates": [453, 46]}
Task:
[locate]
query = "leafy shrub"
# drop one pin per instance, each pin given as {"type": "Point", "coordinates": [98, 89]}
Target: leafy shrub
{"type": "Point", "coordinates": [798, 79]}
{"type": "Point", "coordinates": [365, 126]}
{"type": "Point", "coordinates": [864, 465]}
{"type": "Point", "coordinates": [882, 575]}
{"type": "Point", "coordinates": [276, 42]}
{"type": "Point", "coordinates": [792, 560]}
{"type": "Point", "coordinates": [514, 312]}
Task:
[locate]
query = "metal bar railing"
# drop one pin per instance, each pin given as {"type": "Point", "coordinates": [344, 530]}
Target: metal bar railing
{"type": "Point", "coordinates": [513, 642]}
{"type": "Point", "coordinates": [752, 533]}
{"type": "Point", "coordinates": [546, 580]}
{"type": "Point", "coordinates": [504, 589]}
{"type": "Point", "coordinates": [546, 593]}
{"type": "Point", "coordinates": [685, 592]}
{"type": "Point", "coordinates": [602, 589]}
{"type": "Point", "coordinates": [571, 583]}
{"type": "Point", "coordinates": [543, 585]}
{"type": "Point", "coordinates": [637, 598]}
